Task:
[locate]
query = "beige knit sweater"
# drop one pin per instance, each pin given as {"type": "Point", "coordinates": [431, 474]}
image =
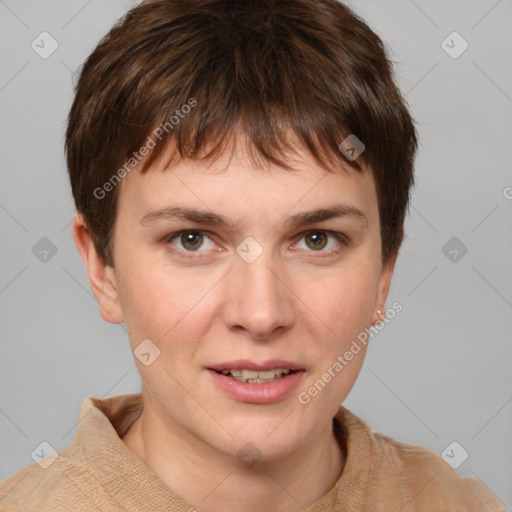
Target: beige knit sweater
{"type": "Point", "coordinates": [99, 473]}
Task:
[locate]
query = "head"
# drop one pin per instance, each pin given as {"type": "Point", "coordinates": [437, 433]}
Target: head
{"type": "Point", "coordinates": [240, 110]}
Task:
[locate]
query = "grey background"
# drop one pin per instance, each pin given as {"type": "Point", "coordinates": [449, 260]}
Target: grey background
{"type": "Point", "coordinates": [439, 372]}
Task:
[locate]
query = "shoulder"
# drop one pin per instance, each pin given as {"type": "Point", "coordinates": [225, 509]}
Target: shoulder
{"type": "Point", "coordinates": [67, 483]}
{"type": "Point", "coordinates": [85, 475]}
{"type": "Point", "coordinates": [50, 482]}
{"type": "Point", "coordinates": [428, 481]}
{"type": "Point", "coordinates": [391, 475]}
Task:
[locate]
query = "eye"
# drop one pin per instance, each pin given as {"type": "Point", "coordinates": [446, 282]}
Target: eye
{"type": "Point", "coordinates": [191, 241]}
{"type": "Point", "coordinates": [317, 241]}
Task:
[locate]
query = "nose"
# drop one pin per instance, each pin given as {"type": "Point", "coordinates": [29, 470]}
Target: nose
{"type": "Point", "coordinates": [258, 298]}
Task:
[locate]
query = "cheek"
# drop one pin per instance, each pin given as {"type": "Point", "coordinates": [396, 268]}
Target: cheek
{"type": "Point", "coordinates": [339, 309]}
{"type": "Point", "coordinates": [342, 301]}
{"type": "Point", "coordinates": [160, 304]}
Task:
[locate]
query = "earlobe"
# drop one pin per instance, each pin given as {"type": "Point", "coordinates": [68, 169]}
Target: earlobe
{"type": "Point", "coordinates": [379, 315]}
{"type": "Point", "coordinates": [101, 276]}
{"type": "Point", "coordinates": [383, 289]}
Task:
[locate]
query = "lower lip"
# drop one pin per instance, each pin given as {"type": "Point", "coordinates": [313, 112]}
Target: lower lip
{"type": "Point", "coordinates": [263, 393]}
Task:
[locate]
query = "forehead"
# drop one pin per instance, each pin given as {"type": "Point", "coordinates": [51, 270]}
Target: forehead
{"type": "Point", "coordinates": [243, 188]}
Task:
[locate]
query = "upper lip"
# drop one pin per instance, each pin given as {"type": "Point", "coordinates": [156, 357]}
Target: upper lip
{"type": "Point", "coordinates": [245, 364]}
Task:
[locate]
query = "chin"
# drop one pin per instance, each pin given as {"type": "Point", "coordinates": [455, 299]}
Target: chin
{"type": "Point", "coordinates": [274, 435]}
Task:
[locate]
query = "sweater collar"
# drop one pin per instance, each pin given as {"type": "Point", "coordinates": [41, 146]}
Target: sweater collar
{"type": "Point", "coordinates": [103, 423]}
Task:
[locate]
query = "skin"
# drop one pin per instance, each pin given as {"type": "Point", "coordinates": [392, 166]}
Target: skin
{"type": "Point", "coordinates": [297, 301]}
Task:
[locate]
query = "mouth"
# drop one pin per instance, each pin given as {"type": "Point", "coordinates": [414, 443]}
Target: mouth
{"type": "Point", "coordinates": [255, 376]}
{"type": "Point", "coordinates": [257, 383]}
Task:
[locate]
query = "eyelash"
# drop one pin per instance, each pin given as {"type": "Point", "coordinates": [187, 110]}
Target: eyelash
{"type": "Point", "coordinates": [340, 237]}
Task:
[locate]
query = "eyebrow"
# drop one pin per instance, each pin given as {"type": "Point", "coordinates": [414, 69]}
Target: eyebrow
{"type": "Point", "coordinates": [214, 219]}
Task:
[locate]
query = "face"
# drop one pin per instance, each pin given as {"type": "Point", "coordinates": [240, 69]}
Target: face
{"type": "Point", "coordinates": [268, 288]}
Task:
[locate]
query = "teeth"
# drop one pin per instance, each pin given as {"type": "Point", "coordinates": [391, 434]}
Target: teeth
{"type": "Point", "coordinates": [268, 374]}
{"type": "Point", "coordinates": [253, 376]}
{"type": "Point", "coordinates": [250, 374]}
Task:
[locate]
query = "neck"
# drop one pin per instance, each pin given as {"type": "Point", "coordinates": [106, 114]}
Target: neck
{"type": "Point", "coordinates": [211, 481]}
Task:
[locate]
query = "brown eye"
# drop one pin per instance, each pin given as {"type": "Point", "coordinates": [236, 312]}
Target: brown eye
{"type": "Point", "coordinates": [316, 240]}
{"type": "Point", "coordinates": [191, 240]}
{"type": "Point", "coordinates": [191, 244]}
{"type": "Point", "coordinates": [325, 243]}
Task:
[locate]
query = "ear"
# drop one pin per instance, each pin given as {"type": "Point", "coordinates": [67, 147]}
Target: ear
{"type": "Point", "coordinates": [383, 290]}
{"type": "Point", "coordinates": [101, 276]}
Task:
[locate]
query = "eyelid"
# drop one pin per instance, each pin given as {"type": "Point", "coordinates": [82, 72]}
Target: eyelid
{"type": "Point", "coordinates": [343, 239]}
{"type": "Point", "coordinates": [335, 234]}
{"type": "Point", "coordinates": [190, 254]}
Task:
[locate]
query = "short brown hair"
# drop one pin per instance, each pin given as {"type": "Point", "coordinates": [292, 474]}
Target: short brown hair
{"type": "Point", "coordinates": [261, 68]}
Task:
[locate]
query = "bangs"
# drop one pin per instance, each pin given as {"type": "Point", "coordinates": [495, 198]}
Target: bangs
{"type": "Point", "coordinates": [200, 75]}
{"type": "Point", "coordinates": [267, 141]}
